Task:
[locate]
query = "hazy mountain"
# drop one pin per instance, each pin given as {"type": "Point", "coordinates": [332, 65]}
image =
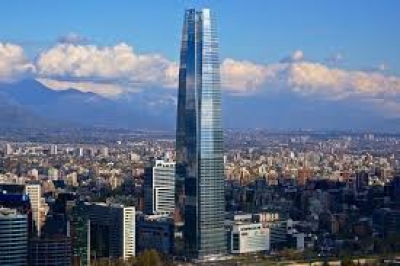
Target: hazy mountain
{"type": "Point", "coordinates": [29, 103]}
{"type": "Point", "coordinates": [79, 108]}
{"type": "Point", "coordinates": [13, 115]}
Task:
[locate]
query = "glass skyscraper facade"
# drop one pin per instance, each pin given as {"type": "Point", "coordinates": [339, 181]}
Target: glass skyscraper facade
{"type": "Point", "coordinates": [199, 140]}
{"type": "Point", "coordinates": [13, 237]}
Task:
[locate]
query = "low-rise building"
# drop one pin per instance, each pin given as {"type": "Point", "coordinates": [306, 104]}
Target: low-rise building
{"type": "Point", "coordinates": [155, 232]}
{"type": "Point", "coordinates": [249, 237]}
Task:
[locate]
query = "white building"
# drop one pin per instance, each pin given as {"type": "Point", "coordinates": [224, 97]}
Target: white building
{"type": "Point", "coordinates": [160, 188]}
{"type": "Point", "coordinates": [249, 237]}
{"type": "Point", "coordinates": [79, 152]}
{"type": "Point", "coordinates": [35, 194]}
{"type": "Point", "coordinates": [53, 149]}
{"type": "Point", "coordinates": [8, 149]}
{"type": "Point", "coordinates": [104, 152]}
{"type": "Point", "coordinates": [34, 173]}
{"type": "Point", "coordinates": [134, 157]}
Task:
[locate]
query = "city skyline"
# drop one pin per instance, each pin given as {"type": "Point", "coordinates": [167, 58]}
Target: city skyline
{"type": "Point", "coordinates": [286, 145]}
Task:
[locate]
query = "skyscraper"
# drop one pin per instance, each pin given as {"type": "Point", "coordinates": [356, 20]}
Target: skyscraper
{"type": "Point", "coordinates": [112, 230]}
{"type": "Point", "coordinates": [199, 140]}
{"type": "Point", "coordinates": [35, 196]}
{"type": "Point", "coordinates": [53, 149]}
{"type": "Point", "coordinates": [13, 237]}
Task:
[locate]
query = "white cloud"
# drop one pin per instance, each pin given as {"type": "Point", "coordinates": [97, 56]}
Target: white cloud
{"type": "Point", "coordinates": [13, 63]}
{"type": "Point", "coordinates": [243, 77]}
{"type": "Point", "coordinates": [113, 65]}
{"type": "Point", "coordinates": [308, 78]}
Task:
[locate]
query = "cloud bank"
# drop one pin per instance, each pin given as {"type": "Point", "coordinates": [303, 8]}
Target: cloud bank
{"type": "Point", "coordinates": [307, 78]}
{"type": "Point", "coordinates": [113, 70]}
{"type": "Point", "coordinates": [117, 67]}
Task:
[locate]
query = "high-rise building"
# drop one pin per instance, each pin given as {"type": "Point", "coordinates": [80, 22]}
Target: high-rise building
{"type": "Point", "coordinates": [112, 230]}
{"type": "Point", "coordinates": [155, 232]}
{"type": "Point", "coordinates": [15, 194]}
{"type": "Point", "coordinates": [53, 149]}
{"type": "Point", "coordinates": [8, 149]}
{"type": "Point", "coordinates": [104, 152]}
{"type": "Point", "coordinates": [199, 140]}
{"type": "Point", "coordinates": [159, 187]}
{"type": "Point", "coordinates": [13, 237]}
{"type": "Point", "coordinates": [35, 195]}
{"type": "Point", "coordinates": [50, 251]}
{"type": "Point", "coordinates": [80, 235]}
{"type": "Point", "coordinates": [79, 152]}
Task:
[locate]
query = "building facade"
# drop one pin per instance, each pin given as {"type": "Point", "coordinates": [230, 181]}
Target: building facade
{"type": "Point", "coordinates": [27, 199]}
{"type": "Point", "coordinates": [34, 192]}
{"type": "Point", "coordinates": [155, 232]}
{"type": "Point", "coordinates": [159, 187]}
{"type": "Point", "coordinates": [13, 237]}
{"type": "Point", "coordinates": [248, 238]}
{"type": "Point", "coordinates": [80, 235]}
{"type": "Point", "coordinates": [112, 230]}
{"type": "Point", "coordinates": [50, 251]}
{"type": "Point", "coordinates": [199, 138]}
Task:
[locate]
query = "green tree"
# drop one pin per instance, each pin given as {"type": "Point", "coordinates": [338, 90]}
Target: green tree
{"type": "Point", "coordinates": [148, 258]}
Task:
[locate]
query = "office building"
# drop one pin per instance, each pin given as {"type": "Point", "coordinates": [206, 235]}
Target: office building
{"type": "Point", "coordinates": [55, 251]}
{"type": "Point", "coordinates": [249, 237]}
{"type": "Point", "coordinates": [112, 230]}
{"type": "Point", "coordinates": [199, 140]}
{"type": "Point", "coordinates": [386, 222]}
{"type": "Point", "coordinates": [155, 232]}
{"type": "Point", "coordinates": [159, 187]}
{"type": "Point", "coordinates": [15, 195]}
{"type": "Point", "coordinates": [13, 237]}
{"type": "Point", "coordinates": [80, 235]}
{"type": "Point", "coordinates": [53, 149]}
{"type": "Point", "coordinates": [8, 149]}
{"type": "Point", "coordinates": [104, 152]}
{"type": "Point", "coordinates": [79, 152]}
{"type": "Point", "coordinates": [35, 196]}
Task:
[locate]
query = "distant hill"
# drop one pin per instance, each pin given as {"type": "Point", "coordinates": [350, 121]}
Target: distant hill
{"type": "Point", "coordinates": [80, 108]}
{"type": "Point", "coordinates": [28, 103]}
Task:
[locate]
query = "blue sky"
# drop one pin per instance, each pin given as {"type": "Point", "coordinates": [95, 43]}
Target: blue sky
{"type": "Point", "coordinates": [365, 32]}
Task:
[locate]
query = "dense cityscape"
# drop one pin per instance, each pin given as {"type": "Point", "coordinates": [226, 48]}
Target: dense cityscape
{"type": "Point", "coordinates": [301, 195]}
{"type": "Point", "coordinates": [202, 194]}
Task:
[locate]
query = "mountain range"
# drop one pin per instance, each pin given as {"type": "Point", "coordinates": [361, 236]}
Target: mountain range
{"type": "Point", "coordinates": [28, 103]}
